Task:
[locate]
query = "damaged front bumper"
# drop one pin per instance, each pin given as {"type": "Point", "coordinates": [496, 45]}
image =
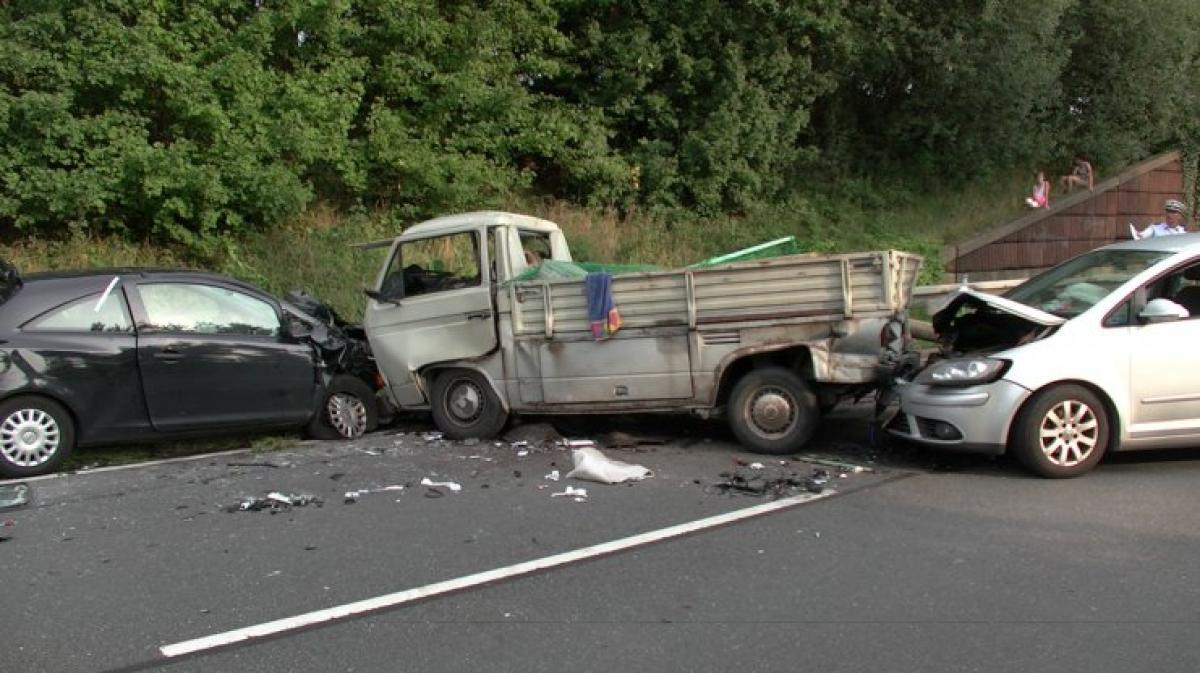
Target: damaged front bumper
{"type": "Point", "coordinates": [975, 419]}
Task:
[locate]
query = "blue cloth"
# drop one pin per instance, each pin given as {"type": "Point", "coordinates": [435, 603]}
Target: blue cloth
{"type": "Point", "coordinates": [602, 312]}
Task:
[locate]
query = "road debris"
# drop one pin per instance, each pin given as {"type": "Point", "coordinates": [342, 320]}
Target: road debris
{"type": "Point", "coordinates": [577, 494]}
{"type": "Point", "coordinates": [773, 482]}
{"type": "Point", "coordinates": [275, 502]}
{"type": "Point", "coordinates": [352, 497]}
{"type": "Point", "coordinates": [537, 435]}
{"type": "Point", "coordinates": [592, 465]}
{"type": "Point", "coordinates": [446, 484]}
{"type": "Point", "coordinates": [849, 467]}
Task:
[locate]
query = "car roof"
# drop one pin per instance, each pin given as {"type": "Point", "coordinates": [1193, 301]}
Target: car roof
{"type": "Point", "coordinates": [1173, 244]}
{"type": "Point", "coordinates": [142, 272]}
{"type": "Point", "coordinates": [482, 217]}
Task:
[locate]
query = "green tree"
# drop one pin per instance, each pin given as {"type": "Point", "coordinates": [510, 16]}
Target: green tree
{"type": "Point", "coordinates": [708, 100]}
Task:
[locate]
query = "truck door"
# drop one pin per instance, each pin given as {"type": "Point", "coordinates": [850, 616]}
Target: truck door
{"type": "Point", "coordinates": [433, 304]}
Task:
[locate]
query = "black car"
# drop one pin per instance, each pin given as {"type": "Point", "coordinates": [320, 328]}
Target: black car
{"type": "Point", "coordinates": [104, 356]}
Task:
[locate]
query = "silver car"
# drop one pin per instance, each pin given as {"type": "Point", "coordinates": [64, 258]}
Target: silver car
{"type": "Point", "coordinates": [1100, 353]}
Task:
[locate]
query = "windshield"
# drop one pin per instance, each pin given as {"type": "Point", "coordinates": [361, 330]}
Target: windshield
{"type": "Point", "coordinates": [1078, 284]}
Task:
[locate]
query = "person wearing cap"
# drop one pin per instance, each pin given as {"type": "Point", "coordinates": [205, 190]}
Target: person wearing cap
{"type": "Point", "coordinates": [1172, 222]}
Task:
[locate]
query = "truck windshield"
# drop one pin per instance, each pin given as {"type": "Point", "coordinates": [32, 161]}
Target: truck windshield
{"type": "Point", "coordinates": [1078, 284]}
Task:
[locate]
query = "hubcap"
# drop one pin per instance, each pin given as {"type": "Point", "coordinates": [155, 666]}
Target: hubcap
{"type": "Point", "coordinates": [29, 437]}
{"type": "Point", "coordinates": [347, 414]}
{"type": "Point", "coordinates": [465, 401]}
{"type": "Point", "coordinates": [1069, 433]}
{"type": "Point", "coordinates": [772, 412]}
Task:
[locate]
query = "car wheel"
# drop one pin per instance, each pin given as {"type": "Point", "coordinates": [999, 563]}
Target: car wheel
{"type": "Point", "coordinates": [36, 436]}
{"type": "Point", "coordinates": [772, 410]}
{"type": "Point", "coordinates": [464, 405]}
{"type": "Point", "coordinates": [1063, 432]}
{"type": "Point", "coordinates": [347, 410]}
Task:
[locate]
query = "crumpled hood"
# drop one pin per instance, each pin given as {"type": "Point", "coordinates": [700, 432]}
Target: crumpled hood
{"type": "Point", "coordinates": [970, 320]}
{"type": "Point", "coordinates": [966, 295]}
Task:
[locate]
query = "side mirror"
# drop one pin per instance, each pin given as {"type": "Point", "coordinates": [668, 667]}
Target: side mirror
{"type": "Point", "coordinates": [373, 294]}
{"type": "Point", "coordinates": [1162, 310]}
{"type": "Point", "coordinates": [15, 496]}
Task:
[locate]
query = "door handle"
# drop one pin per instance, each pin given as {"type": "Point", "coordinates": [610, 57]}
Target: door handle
{"type": "Point", "coordinates": [168, 354]}
{"type": "Point", "coordinates": [479, 315]}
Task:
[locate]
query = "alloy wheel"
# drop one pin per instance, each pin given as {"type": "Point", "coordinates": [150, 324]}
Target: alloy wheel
{"type": "Point", "coordinates": [1069, 433]}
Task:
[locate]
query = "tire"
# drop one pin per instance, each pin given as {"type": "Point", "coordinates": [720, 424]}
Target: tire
{"type": "Point", "coordinates": [464, 405]}
{"type": "Point", "coordinates": [348, 409]}
{"type": "Point", "coordinates": [772, 410]}
{"type": "Point", "coordinates": [36, 436]}
{"type": "Point", "coordinates": [1062, 432]}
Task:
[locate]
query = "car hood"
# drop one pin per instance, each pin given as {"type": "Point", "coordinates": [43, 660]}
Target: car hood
{"type": "Point", "coordinates": [971, 321]}
{"type": "Point", "coordinates": [966, 295]}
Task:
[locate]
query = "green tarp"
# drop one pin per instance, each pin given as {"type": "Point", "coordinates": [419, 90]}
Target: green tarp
{"type": "Point", "coordinates": [555, 270]}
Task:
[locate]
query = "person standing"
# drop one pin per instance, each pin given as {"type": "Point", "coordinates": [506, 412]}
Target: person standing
{"type": "Point", "coordinates": [1172, 222]}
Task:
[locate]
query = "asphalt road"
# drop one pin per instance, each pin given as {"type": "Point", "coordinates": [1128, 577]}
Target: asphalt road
{"type": "Point", "coordinates": [920, 562]}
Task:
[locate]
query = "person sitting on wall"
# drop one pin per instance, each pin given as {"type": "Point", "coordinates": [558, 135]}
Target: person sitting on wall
{"type": "Point", "coordinates": [1081, 174]}
{"type": "Point", "coordinates": [1040, 197]}
{"type": "Point", "coordinates": [1172, 222]}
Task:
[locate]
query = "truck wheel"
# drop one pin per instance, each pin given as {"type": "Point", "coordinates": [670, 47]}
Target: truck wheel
{"type": "Point", "coordinates": [772, 410]}
{"type": "Point", "coordinates": [1063, 432]}
{"type": "Point", "coordinates": [347, 410]}
{"type": "Point", "coordinates": [464, 405]}
{"type": "Point", "coordinates": [36, 436]}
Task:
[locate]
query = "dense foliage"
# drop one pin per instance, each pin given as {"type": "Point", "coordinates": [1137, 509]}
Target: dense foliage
{"type": "Point", "coordinates": [184, 121]}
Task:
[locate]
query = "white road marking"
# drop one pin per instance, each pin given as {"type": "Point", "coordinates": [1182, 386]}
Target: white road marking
{"type": "Point", "coordinates": [129, 466]}
{"type": "Point", "coordinates": [508, 572]}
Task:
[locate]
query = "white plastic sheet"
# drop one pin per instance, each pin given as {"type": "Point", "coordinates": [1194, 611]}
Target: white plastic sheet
{"type": "Point", "coordinates": [592, 465]}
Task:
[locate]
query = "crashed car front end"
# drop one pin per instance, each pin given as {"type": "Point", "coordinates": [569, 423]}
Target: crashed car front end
{"type": "Point", "coordinates": [961, 399]}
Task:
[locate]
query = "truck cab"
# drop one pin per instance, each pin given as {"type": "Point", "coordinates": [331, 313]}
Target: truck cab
{"type": "Point", "coordinates": [435, 297]}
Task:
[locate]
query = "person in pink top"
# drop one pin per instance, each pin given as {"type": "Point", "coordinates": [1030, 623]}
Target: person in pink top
{"type": "Point", "coordinates": [1040, 197]}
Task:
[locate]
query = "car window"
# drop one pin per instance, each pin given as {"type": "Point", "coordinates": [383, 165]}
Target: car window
{"type": "Point", "coordinates": [1181, 287]}
{"type": "Point", "coordinates": [99, 312]}
{"type": "Point", "coordinates": [1078, 284]}
{"type": "Point", "coordinates": [433, 265]}
{"type": "Point", "coordinates": [207, 309]}
{"type": "Point", "coordinates": [536, 247]}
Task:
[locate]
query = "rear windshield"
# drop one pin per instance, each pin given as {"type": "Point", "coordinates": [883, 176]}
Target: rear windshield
{"type": "Point", "coordinates": [1076, 285]}
{"type": "Point", "coordinates": [10, 281]}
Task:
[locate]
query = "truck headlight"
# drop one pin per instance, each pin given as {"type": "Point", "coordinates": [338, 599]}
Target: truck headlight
{"type": "Point", "coordinates": [962, 372]}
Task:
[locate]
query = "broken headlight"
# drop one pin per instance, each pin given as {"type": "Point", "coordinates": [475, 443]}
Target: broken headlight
{"type": "Point", "coordinates": [962, 372]}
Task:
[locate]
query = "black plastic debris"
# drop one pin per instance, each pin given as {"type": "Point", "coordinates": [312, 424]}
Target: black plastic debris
{"type": "Point", "coordinates": [774, 482]}
{"type": "Point", "coordinates": [275, 502]}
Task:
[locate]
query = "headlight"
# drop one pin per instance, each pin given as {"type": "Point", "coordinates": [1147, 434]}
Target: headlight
{"type": "Point", "coordinates": [962, 372]}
